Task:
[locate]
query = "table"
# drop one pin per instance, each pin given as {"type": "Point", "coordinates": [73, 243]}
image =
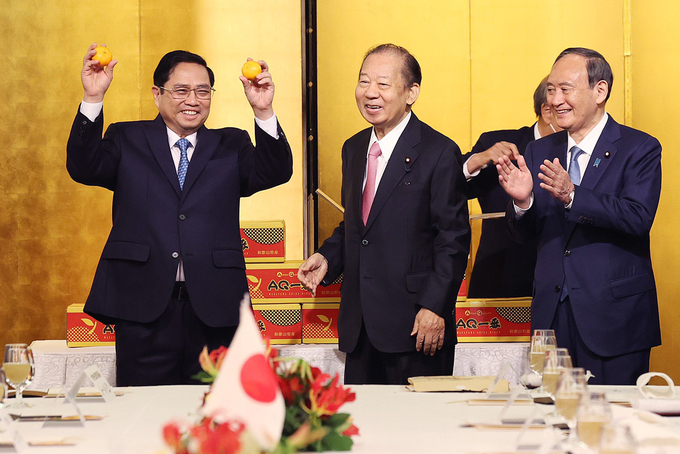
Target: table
{"type": "Point", "coordinates": [56, 364]}
{"type": "Point", "coordinates": [390, 419]}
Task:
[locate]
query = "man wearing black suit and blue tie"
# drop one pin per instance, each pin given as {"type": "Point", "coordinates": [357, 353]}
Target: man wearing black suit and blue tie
{"type": "Point", "coordinates": [172, 272]}
{"type": "Point", "coordinates": [589, 194]}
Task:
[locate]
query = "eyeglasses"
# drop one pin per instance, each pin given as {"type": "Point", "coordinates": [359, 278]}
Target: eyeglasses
{"type": "Point", "coordinates": [183, 92]}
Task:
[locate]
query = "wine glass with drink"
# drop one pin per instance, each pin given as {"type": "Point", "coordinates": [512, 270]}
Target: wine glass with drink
{"type": "Point", "coordinates": [541, 341]}
{"type": "Point", "coordinates": [594, 413]}
{"type": "Point", "coordinates": [19, 369]}
{"type": "Point", "coordinates": [3, 387]}
{"type": "Point", "coordinates": [555, 361]}
{"type": "Point", "coordinates": [571, 388]}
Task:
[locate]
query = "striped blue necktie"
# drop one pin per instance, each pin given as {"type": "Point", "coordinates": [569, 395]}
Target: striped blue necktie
{"type": "Point", "coordinates": [183, 145]}
{"type": "Point", "coordinates": [574, 167]}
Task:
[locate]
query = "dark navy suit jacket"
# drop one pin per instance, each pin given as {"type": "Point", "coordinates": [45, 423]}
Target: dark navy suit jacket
{"type": "Point", "coordinates": [413, 251]}
{"type": "Point", "coordinates": [502, 267]}
{"type": "Point", "coordinates": [155, 223]}
{"type": "Point", "coordinates": [600, 247]}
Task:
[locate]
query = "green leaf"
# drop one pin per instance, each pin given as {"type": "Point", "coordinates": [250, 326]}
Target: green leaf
{"type": "Point", "coordinates": [336, 420]}
{"type": "Point", "coordinates": [295, 417]}
{"type": "Point", "coordinates": [335, 441]}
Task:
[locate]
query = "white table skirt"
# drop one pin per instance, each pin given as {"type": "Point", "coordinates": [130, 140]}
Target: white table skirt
{"type": "Point", "coordinates": [58, 365]}
{"type": "Point", "coordinates": [390, 419]}
{"type": "Point", "coordinates": [487, 359]}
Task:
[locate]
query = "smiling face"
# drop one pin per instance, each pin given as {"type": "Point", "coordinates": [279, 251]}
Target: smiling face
{"type": "Point", "coordinates": [575, 106]}
{"type": "Point", "coordinates": [382, 94]}
{"type": "Point", "coordinates": [184, 116]}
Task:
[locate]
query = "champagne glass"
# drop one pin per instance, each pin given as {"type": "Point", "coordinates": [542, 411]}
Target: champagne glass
{"type": "Point", "coordinates": [541, 341]}
{"type": "Point", "coordinates": [593, 414]}
{"type": "Point", "coordinates": [571, 388]}
{"type": "Point", "coordinates": [616, 439]}
{"type": "Point", "coordinates": [555, 361]}
{"type": "Point", "coordinates": [3, 387]}
{"type": "Point", "coordinates": [19, 369]}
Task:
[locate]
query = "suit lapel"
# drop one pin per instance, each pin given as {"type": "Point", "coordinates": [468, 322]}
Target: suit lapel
{"type": "Point", "coordinates": [356, 172]}
{"type": "Point", "coordinates": [603, 154]}
{"type": "Point", "coordinates": [397, 166]}
{"type": "Point", "coordinates": [597, 164]}
{"type": "Point", "coordinates": [157, 138]}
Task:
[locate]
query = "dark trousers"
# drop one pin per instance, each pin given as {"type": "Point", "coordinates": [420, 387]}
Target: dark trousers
{"type": "Point", "coordinates": [368, 366]}
{"type": "Point", "coordinates": [607, 370]}
{"type": "Point", "coordinates": [165, 351]}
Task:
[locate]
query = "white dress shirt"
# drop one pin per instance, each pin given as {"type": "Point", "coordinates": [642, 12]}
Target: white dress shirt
{"type": "Point", "coordinates": [387, 145]}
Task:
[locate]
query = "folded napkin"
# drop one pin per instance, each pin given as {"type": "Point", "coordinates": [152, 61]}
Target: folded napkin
{"type": "Point", "coordinates": [657, 399]}
{"type": "Point", "coordinates": [663, 407]}
{"type": "Point", "coordinates": [656, 392]}
{"type": "Point", "coordinates": [460, 384]}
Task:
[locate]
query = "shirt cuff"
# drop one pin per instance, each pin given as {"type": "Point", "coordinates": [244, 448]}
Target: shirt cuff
{"type": "Point", "coordinates": [269, 126]}
{"type": "Point", "coordinates": [91, 109]}
{"type": "Point", "coordinates": [519, 212]}
{"type": "Point", "coordinates": [469, 176]}
{"type": "Point", "coordinates": [571, 201]}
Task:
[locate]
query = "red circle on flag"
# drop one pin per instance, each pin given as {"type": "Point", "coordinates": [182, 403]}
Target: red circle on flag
{"type": "Point", "coordinates": [257, 379]}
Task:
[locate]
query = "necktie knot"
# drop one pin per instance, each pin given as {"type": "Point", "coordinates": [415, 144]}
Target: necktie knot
{"type": "Point", "coordinates": [375, 150]}
{"type": "Point", "coordinates": [574, 167]}
{"type": "Point", "coordinates": [183, 144]}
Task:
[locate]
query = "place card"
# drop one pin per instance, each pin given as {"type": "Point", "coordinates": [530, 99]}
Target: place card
{"type": "Point", "coordinates": [10, 436]}
{"type": "Point", "coordinates": [101, 386]}
{"type": "Point", "coordinates": [514, 393]}
{"type": "Point", "coordinates": [504, 368]}
{"type": "Point", "coordinates": [101, 383]}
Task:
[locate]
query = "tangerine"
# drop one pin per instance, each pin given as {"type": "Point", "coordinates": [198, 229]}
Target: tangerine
{"type": "Point", "coordinates": [103, 55]}
{"type": "Point", "coordinates": [251, 69]}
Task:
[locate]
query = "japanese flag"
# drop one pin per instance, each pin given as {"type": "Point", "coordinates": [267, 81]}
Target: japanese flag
{"type": "Point", "coordinates": [246, 388]}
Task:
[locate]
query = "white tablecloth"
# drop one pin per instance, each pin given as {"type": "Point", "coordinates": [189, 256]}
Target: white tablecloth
{"type": "Point", "coordinates": [390, 419]}
{"type": "Point", "coordinates": [58, 365]}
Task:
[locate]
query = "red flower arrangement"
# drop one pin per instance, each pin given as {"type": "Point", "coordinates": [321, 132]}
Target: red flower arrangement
{"type": "Point", "coordinates": [312, 421]}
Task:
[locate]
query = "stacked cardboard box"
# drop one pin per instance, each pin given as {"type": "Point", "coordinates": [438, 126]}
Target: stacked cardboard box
{"type": "Point", "coordinates": [493, 320]}
{"type": "Point", "coordinates": [274, 286]}
{"type": "Point", "coordinates": [84, 331]}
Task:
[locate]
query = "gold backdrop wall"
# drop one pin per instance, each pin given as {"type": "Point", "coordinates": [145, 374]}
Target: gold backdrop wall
{"type": "Point", "coordinates": [52, 230]}
{"type": "Point", "coordinates": [655, 69]}
{"type": "Point", "coordinates": [482, 60]}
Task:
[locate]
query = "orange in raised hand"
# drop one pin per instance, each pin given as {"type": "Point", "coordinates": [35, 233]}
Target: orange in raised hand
{"type": "Point", "coordinates": [251, 69]}
{"type": "Point", "coordinates": [103, 55]}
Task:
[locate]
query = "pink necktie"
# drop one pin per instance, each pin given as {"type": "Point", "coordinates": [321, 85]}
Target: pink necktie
{"type": "Point", "coordinates": [369, 189]}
